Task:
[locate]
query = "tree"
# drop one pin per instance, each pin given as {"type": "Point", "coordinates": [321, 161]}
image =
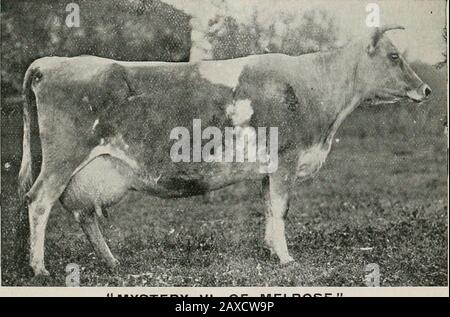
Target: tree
{"type": "Point", "coordinates": [314, 30]}
{"type": "Point", "coordinates": [124, 30]}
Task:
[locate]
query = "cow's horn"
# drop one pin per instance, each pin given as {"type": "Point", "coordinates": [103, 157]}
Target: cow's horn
{"type": "Point", "coordinates": [379, 31]}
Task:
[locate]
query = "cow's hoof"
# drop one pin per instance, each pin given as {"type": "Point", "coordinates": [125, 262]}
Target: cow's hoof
{"type": "Point", "coordinates": [113, 264]}
{"type": "Point", "coordinates": [41, 280]}
{"type": "Point", "coordinates": [41, 272]}
{"type": "Point", "coordinates": [269, 251]}
{"type": "Point", "coordinates": [287, 261]}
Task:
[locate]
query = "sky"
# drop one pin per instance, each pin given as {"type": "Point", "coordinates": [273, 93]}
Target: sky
{"type": "Point", "coordinates": [423, 19]}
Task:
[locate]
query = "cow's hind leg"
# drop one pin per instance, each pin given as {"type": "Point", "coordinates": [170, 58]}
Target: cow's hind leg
{"type": "Point", "coordinates": [277, 199]}
{"type": "Point", "coordinates": [89, 224]}
{"type": "Point", "coordinates": [40, 200]}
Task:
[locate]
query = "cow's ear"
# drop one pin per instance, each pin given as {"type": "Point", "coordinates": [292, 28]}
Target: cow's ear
{"type": "Point", "coordinates": [376, 35]}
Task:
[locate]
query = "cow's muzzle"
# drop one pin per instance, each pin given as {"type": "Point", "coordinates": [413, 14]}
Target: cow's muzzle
{"type": "Point", "coordinates": [420, 93]}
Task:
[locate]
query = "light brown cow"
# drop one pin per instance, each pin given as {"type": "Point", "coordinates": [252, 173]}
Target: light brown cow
{"type": "Point", "coordinates": [104, 126]}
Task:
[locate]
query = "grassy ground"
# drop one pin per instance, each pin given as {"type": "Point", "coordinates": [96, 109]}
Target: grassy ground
{"type": "Point", "coordinates": [377, 200]}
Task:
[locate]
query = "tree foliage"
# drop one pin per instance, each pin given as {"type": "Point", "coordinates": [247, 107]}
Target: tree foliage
{"type": "Point", "coordinates": [125, 30]}
{"type": "Point", "coordinates": [290, 34]}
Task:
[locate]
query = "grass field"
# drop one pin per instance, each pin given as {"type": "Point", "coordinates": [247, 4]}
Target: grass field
{"type": "Point", "coordinates": [376, 200]}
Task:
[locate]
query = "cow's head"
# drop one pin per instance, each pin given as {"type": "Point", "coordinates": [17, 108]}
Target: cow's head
{"type": "Point", "coordinates": [384, 75]}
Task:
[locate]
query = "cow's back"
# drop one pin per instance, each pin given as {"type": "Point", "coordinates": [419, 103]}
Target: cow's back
{"type": "Point", "coordinates": [127, 110]}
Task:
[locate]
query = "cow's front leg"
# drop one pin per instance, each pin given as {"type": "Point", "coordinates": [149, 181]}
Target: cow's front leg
{"type": "Point", "coordinates": [268, 239]}
{"type": "Point", "coordinates": [276, 193]}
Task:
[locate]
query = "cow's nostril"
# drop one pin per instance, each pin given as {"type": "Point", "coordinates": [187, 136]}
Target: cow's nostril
{"type": "Point", "coordinates": [426, 91]}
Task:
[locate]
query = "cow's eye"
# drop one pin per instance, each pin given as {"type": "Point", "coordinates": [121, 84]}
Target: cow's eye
{"type": "Point", "coordinates": [394, 56]}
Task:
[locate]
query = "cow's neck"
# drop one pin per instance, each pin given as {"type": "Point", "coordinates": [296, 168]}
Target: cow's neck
{"type": "Point", "coordinates": [334, 95]}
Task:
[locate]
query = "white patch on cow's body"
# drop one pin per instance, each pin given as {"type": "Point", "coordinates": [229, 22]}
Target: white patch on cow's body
{"type": "Point", "coordinates": [240, 112]}
{"type": "Point", "coordinates": [225, 72]}
{"type": "Point", "coordinates": [311, 160]}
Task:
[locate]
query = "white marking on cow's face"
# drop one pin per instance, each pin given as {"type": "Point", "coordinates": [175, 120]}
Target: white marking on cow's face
{"type": "Point", "coordinates": [240, 112]}
{"type": "Point", "coordinates": [311, 160]}
{"type": "Point", "coordinates": [225, 73]}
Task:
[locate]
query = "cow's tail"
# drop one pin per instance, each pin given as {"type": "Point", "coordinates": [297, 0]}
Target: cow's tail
{"type": "Point", "coordinates": [29, 166]}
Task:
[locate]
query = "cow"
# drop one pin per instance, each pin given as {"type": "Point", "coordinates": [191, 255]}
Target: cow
{"type": "Point", "coordinates": [104, 125]}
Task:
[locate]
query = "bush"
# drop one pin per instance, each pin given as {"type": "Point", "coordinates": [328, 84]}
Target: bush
{"type": "Point", "coordinates": [127, 30]}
